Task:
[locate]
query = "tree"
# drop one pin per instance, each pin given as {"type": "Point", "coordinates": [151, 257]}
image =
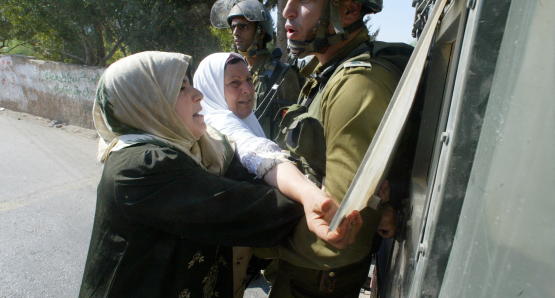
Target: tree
{"type": "Point", "coordinates": [7, 38]}
{"type": "Point", "coordinates": [67, 30]}
{"type": "Point", "coordinates": [93, 32]}
{"type": "Point", "coordinates": [177, 26]}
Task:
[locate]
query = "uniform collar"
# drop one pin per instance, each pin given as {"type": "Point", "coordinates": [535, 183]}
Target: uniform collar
{"type": "Point", "coordinates": [260, 63]}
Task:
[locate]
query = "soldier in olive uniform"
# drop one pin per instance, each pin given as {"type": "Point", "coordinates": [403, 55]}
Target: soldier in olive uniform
{"type": "Point", "coordinates": [252, 27]}
{"type": "Point", "coordinates": [340, 108]}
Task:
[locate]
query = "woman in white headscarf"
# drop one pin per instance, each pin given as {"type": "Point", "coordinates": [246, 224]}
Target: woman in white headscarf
{"type": "Point", "coordinates": [167, 212]}
{"type": "Point", "coordinates": [226, 83]}
{"type": "Point", "coordinates": [232, 115]}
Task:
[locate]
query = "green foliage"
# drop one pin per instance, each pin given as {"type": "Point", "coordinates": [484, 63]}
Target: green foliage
{"type": "Point", "coordinates": [75, 31]}
{"type": "Point", "coordinates": [102, 31]}
{"type": "Point", "coordinates": [225, 39]}
{"type": "Point", "coordinates": [17, 47]}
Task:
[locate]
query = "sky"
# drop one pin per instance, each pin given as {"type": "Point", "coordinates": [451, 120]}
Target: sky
{"type": "Point", "coordinates": [395, 21]}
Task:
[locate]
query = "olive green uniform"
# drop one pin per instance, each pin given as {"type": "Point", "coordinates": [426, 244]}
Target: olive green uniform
{"type": "Point", "coordinates": [287, 93]}
{"type": "Point", "coordinates": [349, 107]}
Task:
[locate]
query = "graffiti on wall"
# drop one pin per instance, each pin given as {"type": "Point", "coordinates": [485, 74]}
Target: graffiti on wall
{"type": "Point", "coordinates": [5, 64]}
{"type": "Point", "coordinates": [6, 67]}
{"type": "Point", "coordinates": [75, 82]}
{"type": "Point", "coordinates": [49, 89]}
{"type": "Point", "coordinates": [72, 83]}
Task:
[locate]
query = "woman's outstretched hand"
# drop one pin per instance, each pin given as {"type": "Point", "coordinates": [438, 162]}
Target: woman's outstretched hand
{"type": "Point", "coordinates": [319, 207]}
{"type": "Point", "coordinates": [319, 215]}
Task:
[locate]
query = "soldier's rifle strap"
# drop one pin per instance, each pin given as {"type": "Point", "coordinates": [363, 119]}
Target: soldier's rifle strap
{"type": "Point", "coordinates": [274, 66]}
{"type": "Point", "coordinates": [270, 96]}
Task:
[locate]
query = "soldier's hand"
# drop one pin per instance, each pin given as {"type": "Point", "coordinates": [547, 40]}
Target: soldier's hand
{"type": "Point", "coordinates": [388, 223]}
{"type": "Point", "coordinates": [319, 216]}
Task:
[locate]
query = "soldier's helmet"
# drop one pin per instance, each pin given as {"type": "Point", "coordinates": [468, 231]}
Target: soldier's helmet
{"type": "Point", "coordinates": [374, 6]}
{"type": "Point", "coordinates": [224, 11]}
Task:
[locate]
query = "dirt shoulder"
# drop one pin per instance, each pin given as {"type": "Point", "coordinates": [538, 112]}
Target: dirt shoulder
{"type": "Point", "coordinates": [54, 124]}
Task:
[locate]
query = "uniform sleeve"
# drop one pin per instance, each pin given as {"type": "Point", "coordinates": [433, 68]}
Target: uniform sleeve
{"type": "Point", "coordinates": [351, 115]}
{"type": "Point", "coordinates": [165, 189]}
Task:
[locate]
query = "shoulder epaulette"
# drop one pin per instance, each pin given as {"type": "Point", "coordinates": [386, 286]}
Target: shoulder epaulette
{"type": "Point", "coordinates": [357, 64]}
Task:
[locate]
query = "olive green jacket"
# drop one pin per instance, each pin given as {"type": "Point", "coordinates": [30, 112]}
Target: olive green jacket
{"type": "Point", "coordinates": [350, 108]}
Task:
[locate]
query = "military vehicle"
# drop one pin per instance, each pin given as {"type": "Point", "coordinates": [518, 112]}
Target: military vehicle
{"type": "Point", "coordinates": [478, 220]}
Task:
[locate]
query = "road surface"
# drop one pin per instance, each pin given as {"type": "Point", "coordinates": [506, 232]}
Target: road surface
{"type": "Point", "coordinates": [48, 179]}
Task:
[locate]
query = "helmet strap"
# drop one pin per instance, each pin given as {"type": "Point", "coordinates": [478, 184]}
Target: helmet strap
{"type": "Point", "coordinates": [300, 49]}
{"type": "Point", "coordinates": [254, 46]}
{"type": "Point", "coordinates": [321, 42]}
{"type": "Point", "coordinates": [253, 50]}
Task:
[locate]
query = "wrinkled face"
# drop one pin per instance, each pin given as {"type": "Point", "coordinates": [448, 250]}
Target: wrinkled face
{"type": "Point", "coordinates": [239, 89]}
{"type": "Point", "coordinates": [188, 107]}
{"type": "Point", "coordinates": [302, 17]}
{"type": "Point", "coordinates": [243, 33]}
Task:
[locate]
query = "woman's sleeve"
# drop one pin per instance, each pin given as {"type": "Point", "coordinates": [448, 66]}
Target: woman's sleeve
{"type": "Point", "coordinates": [165, 189]}
{"type": "Point", "coordinates": [257, 154]}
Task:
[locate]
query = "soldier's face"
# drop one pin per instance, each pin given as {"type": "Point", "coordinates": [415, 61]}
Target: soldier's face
{"type": "Point", "coordinates": [243, 33]}
{"type": "Point", "coordinates": [239, 89]}
{"type": "Point", "coordinates": [302, 17]}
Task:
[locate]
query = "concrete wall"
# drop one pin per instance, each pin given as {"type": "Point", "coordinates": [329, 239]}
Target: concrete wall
{"type": "Point", "coordinates": [52, 90]}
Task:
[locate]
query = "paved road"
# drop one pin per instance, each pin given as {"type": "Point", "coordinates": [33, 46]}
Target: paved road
{"type": "Point", "coordinates": [48, 179]}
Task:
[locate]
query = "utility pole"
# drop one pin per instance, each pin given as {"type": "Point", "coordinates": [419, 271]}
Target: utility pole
{"type": "Point", "coordinates": [281, 38]}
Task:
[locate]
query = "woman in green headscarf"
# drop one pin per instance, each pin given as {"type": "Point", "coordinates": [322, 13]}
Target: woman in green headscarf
{"type": "Point", "coordinates": [170, 202]}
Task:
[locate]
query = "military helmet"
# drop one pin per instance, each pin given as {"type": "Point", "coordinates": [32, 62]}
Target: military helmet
{"type": "Point", "coordinates": [253, 11]}
{"type": "Point", "coordinates": [375, 6]}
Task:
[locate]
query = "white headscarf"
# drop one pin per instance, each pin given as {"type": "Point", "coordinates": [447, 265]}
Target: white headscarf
{"type": "Point", "coordinates": [209, 79]}
{"type": "Point", "coordinates": [135, 103]}
{"type": "Point", "coordinates": [256, 153]}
